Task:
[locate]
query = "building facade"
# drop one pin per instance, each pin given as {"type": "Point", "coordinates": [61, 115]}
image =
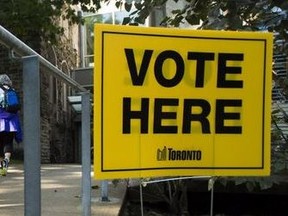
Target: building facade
{"type": "Point", "coordinates": [57, 126]}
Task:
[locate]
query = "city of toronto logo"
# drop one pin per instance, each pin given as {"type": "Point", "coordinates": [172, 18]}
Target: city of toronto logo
{"type": "Point", "coordinates": [167, 153]}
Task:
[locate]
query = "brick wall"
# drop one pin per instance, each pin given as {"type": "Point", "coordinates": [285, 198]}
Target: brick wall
{"type": "Point", "coordinates": [57, 128]}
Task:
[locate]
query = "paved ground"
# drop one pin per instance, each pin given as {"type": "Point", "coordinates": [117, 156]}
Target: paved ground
{"type": "Point", "coordinates": [60, 192]}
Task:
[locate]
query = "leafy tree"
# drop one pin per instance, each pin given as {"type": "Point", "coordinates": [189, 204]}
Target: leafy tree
{"type": "Point", "coordinates": [253, 15]}
{"type": "Point", "coordinates": [34, 21]}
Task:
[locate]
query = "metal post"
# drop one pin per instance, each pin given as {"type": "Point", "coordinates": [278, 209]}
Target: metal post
{"type": "Point", "coordinates": [31, 131]}
{"type": "Point", "coordinates": [81, 41]}
{"type": "Point", "coordinates": [157, 15]}
{"type": "Point", "coordinates": [86, 155]}
{"type": "Point", "coordinates": [104, 191]}
{"type": "Point", "coordinates": [211, 187]}
{"type": "Point", "coordinates": [141, 200]}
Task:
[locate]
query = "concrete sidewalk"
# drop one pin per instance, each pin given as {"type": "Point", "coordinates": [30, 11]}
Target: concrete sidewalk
{"type": "Point", "coordinates": [60, 192]}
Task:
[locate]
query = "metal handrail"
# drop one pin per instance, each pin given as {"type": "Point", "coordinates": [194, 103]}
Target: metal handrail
{"type": "Point", "coordinates": [19, 47]}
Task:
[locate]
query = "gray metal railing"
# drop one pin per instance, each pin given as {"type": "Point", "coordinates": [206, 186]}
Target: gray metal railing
{"type": "Point", "coordinates": [19, 47]}
{"type": "Point", "coordinates": [32, 130]}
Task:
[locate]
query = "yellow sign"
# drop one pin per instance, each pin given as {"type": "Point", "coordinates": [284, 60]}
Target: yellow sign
{"type": "Point", "coordinates": [171, 102]}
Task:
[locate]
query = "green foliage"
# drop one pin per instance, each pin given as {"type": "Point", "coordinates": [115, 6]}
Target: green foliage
{"type": "Point", "coordinates": [143, 10]}
{"type": "Point", "coordinates": [34, 21]}
{"type": "Point", "coordinates": [249, 15]}
{"type": "Point", "coordinates": [173, 192]}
